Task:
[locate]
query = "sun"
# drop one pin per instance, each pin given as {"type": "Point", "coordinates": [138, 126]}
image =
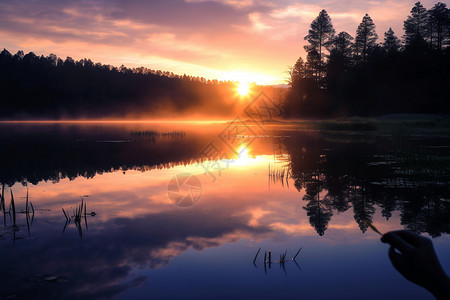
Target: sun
{"type": "Point", "coordinates": [243, 88]}
{"type": "Point", "coordinates": [243, 153]}
{"type": "Point", "coordinates": [244, 157]}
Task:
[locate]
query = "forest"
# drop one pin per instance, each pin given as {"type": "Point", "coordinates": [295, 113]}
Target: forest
{"type": "Point", "coordinates": [342, 75]}
{"type": "Point", "coordinates": [34, 86]}
{"type": "Point", "coordinates": [347, 76]}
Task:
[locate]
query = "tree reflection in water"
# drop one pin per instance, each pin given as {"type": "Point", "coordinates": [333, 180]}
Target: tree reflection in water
{"type": "Point", "coordinates": [405, 174]}
{"type": "Point", "coordinates": [338, 172]}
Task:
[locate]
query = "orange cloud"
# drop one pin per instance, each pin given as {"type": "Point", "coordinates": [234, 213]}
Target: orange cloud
{"type": "Point", "coordinates": [197, 37]}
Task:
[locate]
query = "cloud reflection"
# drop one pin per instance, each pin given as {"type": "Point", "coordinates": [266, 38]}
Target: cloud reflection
{"type": "Point", "coordinates": [98, 265]}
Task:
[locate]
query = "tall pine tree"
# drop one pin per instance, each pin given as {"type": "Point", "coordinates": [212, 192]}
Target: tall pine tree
{"type": "Point", "coordinates": [319, 34]}
{"type": "Point", "coordinates": [341, 43]}
{"type": "Point", "coordinates": [365, 40]}
{"type": "Point", "coordinates": [339, 60]}
{"type": "Point", "coordinates": [391, 43]}
{"type": "Point", "coordinates": [439, 26]}
{"type": "Point", "coordinates": [415, 25]}
{"type": "Point", "coordinates": [297, 72]}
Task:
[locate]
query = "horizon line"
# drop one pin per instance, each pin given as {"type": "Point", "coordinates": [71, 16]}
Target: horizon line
{"type": "Point", "coordinates": [112, 121]}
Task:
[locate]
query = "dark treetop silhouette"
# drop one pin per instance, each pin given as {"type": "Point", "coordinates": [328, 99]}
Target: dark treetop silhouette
{"type": "Point", "coordinates": [341, 76]}
{"type": "Point", "coordinates": [48, 87]}
{"type": "Point", "coordinates": [360, 76]}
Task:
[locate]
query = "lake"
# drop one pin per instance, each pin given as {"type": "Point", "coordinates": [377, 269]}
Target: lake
{"type": "Point", "coordinates": [161, 210]}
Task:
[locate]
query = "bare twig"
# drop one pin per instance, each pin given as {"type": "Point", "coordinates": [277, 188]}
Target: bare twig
{"type": "Point", "coordinates": [295, 256]}
{"type": "Point", "coordinates": [13, 208]}
{"type": "Point", "coordinates": [67, 218]}
{"type": "Point", "coordinates": [256, 255]}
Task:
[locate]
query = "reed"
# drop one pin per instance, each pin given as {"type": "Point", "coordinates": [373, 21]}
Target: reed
{"type": "Point", "coordinates": [85, 218]}
{"type": "Point", "coordinates": [2, 204]}
{"type": "Point", "coordinates": [268, 260]}
{"type": "Point", "coordinates": [256, 255]}
{"type": "Point", "coordinates": [67, 218]}
{"type": "Point", "coordinates": [295, 256]}
{"type": "Point", "coordinates": [80, 231]}
{"type": "Point", "coordinates": [279, 174]}
{"type": "Point", "coordinates": [65, 225]}
{"type": "Point", "coordinates": [283, 258]}
{"type": "Point", "coordinates": [78, 213]}
{"type": "Point", "coordinates": [32, 212]}
{"type": "Point", "coordinates": [3, 198]}
{"type": "Point", "coordinates": [26, 204]}
{"type": "Point", "coordinates": [13, 208]}
{"type": "Point", "coordinates": [28, 224]}
{"type": "Point", "coordinates": [155, 133]}
{"type": "Point", "coordinates": [298, 266]}
{"type": "Point", "coordinates": [146, 132]}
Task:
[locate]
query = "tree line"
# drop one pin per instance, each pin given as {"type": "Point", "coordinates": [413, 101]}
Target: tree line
{"type": "Point", "coordinates": [345, 75]}
{"type": "Point", "coordinates": [48, 87]}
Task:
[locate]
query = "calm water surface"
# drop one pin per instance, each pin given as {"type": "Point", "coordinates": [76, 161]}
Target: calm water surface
{"type": "Point", "coordinates": [179, 211]}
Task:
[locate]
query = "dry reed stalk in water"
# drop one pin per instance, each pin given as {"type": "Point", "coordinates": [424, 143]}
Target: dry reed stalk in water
{"type": "Point", "coordinates": [13, 208]}
{"type": "Point", "coordinates": [67, 218]}
{"type": "Point", "coordinates": [256, 255]}
{"type": "Point", "coordinates": [26, 204]}
{"type": "Point", "coordinates": [295, 256]}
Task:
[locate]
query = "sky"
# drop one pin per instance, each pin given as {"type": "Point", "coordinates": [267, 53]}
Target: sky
{"type": "Point", "coordinates": [248, 40]}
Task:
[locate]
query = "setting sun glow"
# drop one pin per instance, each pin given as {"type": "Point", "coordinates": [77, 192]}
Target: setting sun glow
{"type": "Point", "coordinates": [244, 158]}
{"type": "Point", "coordinates": [243, 88]}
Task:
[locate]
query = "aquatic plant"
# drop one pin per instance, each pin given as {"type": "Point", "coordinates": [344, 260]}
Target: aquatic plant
{"type": "Point", "coordinates": [79, 213]}
{"type": "Point", "coordinates": [279, 175]}
{"type": "Point", "coordinates": [268, 260]}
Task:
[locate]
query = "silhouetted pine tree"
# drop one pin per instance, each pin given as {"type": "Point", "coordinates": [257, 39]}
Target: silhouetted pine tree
{"type": "Point", "coordinates": [341, 43]}
{"type": "Point", "coordinates": [439, 26]}
{"type": "Point", "coordinates": [365, 40]}
{"type": "Point", "coordinates": [319, 34]}
{"type": "Point", "coordinates": [391, 43]}
{"type": "Point", "coordinates": [339, 60]}
{"type": "Point", "coordinates": [415, 26]}
{"type": "Point", "coordinates": [297, 72]}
